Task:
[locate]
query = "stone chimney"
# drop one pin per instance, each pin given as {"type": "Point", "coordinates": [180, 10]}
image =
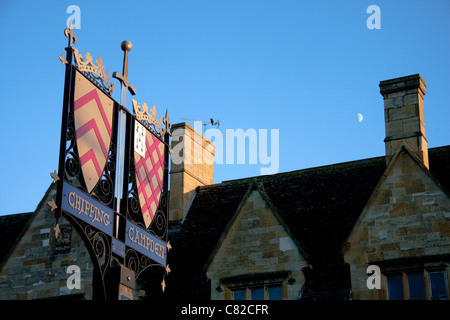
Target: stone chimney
{"type": "Point", "coordinates": [404, 115]}
{"type": "Point", "coordinates": [192, 165]}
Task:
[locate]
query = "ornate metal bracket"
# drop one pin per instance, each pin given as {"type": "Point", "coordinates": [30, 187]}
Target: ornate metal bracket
{"type": "Point", "coordinates": [99, 189]}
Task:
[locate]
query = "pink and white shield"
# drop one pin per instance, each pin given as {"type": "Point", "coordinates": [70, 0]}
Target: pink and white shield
{"type": "Point", "coordinates": [93, 125]}
{"type": "Point", "coordinates": [149, 165]}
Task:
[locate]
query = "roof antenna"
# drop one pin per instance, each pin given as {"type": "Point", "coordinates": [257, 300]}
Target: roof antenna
{"type": "Point", "coordinates": [205, 124]}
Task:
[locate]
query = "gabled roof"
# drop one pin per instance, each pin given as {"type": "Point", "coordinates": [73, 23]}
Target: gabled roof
{"type": "Point", "coordinates": [195, 240]}
{"type": "Point", "coordinates": [319, 205]}
{"type": "Point", "coordinates": [257, 185]}
{"type": "Point", "coordinates": [439, 159]}
{"type": "Point", "coordinates": [11, 226]}
{"type": "Point", "coordinates": [441, 170]}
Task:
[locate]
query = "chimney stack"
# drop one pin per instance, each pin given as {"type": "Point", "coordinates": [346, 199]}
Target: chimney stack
{"type": "Point", "coordinates": [192, 165]}
{"type": "Point", "coordinates": [404, 115]}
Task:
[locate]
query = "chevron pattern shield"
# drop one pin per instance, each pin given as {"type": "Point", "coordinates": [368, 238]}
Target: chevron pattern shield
{"type": "Point", "coordinates": [149, 165]}
{"type": "Point", "coordinates": [93, 125]}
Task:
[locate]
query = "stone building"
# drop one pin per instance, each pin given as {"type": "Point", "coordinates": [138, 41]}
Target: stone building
{"type": "Point", "coordinates": [375, 228]}
{"type": "Point", "coordinates": [34, 263]}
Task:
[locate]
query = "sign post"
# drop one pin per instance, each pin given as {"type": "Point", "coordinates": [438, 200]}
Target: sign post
{"type": "Point", "coordinates": [112, 180]}
{"type": "Point", "coordinates": [123, 78]}
{"type": "Point", "coordinates": [120, 283]}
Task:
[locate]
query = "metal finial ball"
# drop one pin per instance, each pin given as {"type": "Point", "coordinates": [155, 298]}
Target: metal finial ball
{"type": "Point", "coordinates": [126, 45]}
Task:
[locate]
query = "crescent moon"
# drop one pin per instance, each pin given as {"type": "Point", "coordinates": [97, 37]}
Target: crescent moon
{"type": "Point", "coordinates": [360, 117]}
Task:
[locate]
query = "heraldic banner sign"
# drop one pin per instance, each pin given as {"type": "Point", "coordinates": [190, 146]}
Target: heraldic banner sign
{"type": "Point", "coordinates": [112, 179]}
{"type": "Point", "coordinates": [93, 113]}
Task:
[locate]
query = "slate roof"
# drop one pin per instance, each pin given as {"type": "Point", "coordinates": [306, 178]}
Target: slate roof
{"type": "Point", "coordinates": [439, 159]}
{"type": "Point", "coordinates": [195, 240]}
{"type": "Point", "coordinates": [11, 226]}
{"type": "Point", "coordinates": [319, 205]}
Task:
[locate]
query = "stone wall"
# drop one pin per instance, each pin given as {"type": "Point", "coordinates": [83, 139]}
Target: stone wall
{"type": "Point", "coordinates": [37, 267]}
{"type": "Point", "coordinates": [407, 217]}
{"type": "Point", "coordinates": [404, 115]}
{"type": "Point", "coordinates": [191, 166]}
{"type": "Point", "coordinates": [256, 244]}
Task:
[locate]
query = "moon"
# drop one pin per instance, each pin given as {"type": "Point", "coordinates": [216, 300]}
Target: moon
{"type": "Point", "coordinates": [360, 117]}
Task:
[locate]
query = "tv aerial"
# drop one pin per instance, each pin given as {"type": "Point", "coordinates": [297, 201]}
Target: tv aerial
{"type": "Point", "coordinates": [205, 124]}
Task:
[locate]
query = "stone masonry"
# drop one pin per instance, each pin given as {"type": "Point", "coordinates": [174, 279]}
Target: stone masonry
{"type": "Point", "coordinates": [256, 243]}
{"type": "Point", "coordinates": [191, 166]}
{"type": "Point", "coordinates": [408, 216]}
{"type": "Point", "coordinates": [37, 266]}
{"type": "Point", "coordinates": [404, 115]}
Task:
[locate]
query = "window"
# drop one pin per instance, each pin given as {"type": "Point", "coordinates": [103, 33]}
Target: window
{"type": "Point", "coordinates": [395, 287]}
{"type": "Point", "coordinates": [257, 293]}
{"type": "Point", "coordinates": [416, 286]}
{"type": "Point", "coordinates": [423, 285]}
{"type": "Point", "coordinates": [437, 285]}
{"type": "Point", "coordinates": [256, 286]}
{"type": "Point", "coordinates": [239, 295]}
{"type": "Point", "coordinates": [273, 292]}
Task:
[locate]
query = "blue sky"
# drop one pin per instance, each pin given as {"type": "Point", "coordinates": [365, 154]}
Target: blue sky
{"type": "Point", "coordinates": [306, 68]}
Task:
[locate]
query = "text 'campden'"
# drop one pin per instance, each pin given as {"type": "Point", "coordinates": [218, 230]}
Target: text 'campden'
{"type": "Point", "coordinates": [145, 242]}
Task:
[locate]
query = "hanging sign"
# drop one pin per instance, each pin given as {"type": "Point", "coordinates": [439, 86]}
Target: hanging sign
{"type": "Point", "coordinates": [145, 243]}
{"type": "Point", "coordinates": [84, 207]}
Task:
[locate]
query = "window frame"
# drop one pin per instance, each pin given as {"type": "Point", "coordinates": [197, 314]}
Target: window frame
{"type": "Point", "coordinates": [426, 278]}
{"type": "Point", "coordinates": [446, 284]}
{"type": "Point", "coordinates": [248, 290]}
{"type": "Point", "coordinates": [257, 280]}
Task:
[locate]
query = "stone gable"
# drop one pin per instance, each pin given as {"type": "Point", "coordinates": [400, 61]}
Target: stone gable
{"type": "Point", "coordinates": [258, 247]}
{"type": "Point", "coordinates": [36, 268]}
{"type": "Point", "coordinates": [408, 216]}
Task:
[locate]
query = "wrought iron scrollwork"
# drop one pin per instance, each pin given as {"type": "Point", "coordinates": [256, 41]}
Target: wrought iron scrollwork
{"type": "Point", "coordinates": [99, 247]}
{"type": "Point", "coordinates": [137, 262]}
{"type": "Point", "coordinates": [105, 188]}
{"type": "Point", "coordinates": [133, 210]}
{"type": "Point", "coordinates": [159, 225]}
{"type": "Point", "coordinates": [100, 244]}
{"type": "Point", "coordinates": [72, 164]}
{"type": "Point", "coordinates": [72, 169]}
